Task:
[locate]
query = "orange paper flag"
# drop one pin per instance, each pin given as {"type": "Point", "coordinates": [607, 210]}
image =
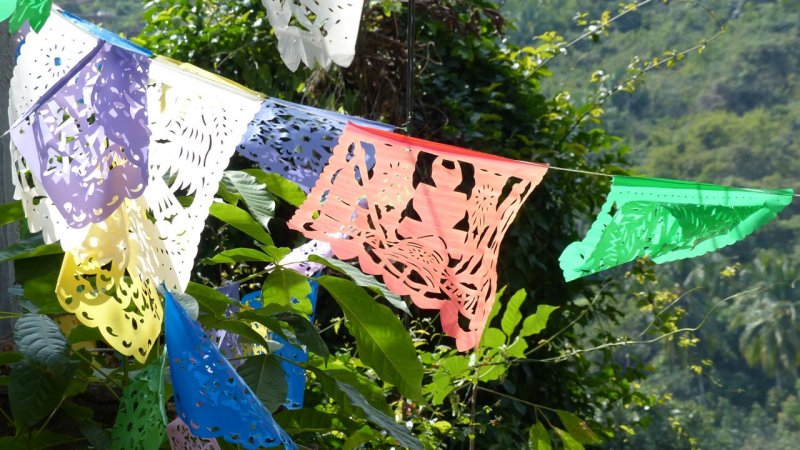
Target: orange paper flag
{"type": "Point", "coordinates": [429, 218]}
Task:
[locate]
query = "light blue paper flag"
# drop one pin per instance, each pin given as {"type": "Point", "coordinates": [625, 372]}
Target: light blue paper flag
{"type": "Point", "coordinates": [209, 395]}
{"type": "Point", "coordinates": [294, 374]}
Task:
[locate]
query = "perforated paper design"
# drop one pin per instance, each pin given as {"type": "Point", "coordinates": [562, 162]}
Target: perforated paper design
{"type": "Point", "coordinates": [298, 261]}
{"type": "Point", "coordinates": [181, 438]}
{"type": "Point", "coordinates": [294, 140]}
{"type": "Point", "coordinates": [209, 395]}
{"type": "Point", "coordinates": [44, 59]}
{"type": "Point", "coordinates": [140, 422]}
{"type": "Point", "coordinates": [668, 220]}
{"type": "Point", "coordinates": [315, 31]}
{"type": "Point", "coordinates": [86, 143]}
{"type": "Point", "coordinates": [428, 218]}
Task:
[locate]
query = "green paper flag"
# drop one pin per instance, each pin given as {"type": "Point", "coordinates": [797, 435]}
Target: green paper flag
{"type": "Point", "coordinates": [141, 420]}
{"type": "Point", "coordinates": [35, 12]}
{"type": "Point", "coordinates": [668, 220]}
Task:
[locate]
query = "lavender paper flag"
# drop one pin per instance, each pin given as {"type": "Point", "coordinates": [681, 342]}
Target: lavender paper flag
{"type": "Point", "coordinates": [181, 438]}
{"type": "Point", "coordinates": [294, 140]}
{"type": "Point", "coordinates": [86, 140]}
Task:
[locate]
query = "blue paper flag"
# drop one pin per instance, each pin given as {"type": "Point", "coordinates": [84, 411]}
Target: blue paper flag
{"type": "Point", "coordinates": [104, 35]}
{"type": "Point", "coordinates": [209, 395]}
{"type": "Point", "coordinates": [294, 140]}
{"type": "Point", "coordinates": [295, 375]}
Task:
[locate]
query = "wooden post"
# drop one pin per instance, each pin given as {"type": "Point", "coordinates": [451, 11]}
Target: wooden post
{"type": "Point", "coordinates": [8, 233]}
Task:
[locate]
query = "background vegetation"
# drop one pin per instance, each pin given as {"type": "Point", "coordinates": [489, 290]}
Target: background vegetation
{"type": "Point", "coordinates": [618, 361]}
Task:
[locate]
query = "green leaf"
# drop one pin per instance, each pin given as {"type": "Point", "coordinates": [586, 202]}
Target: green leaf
{"type": "Point", "coordinates": [306, 334]}
{"type": "Point", "coordinates": [282, 188]}
{"type": "Point", "coordinates": [82, 333]}
{"type": "Point", "coordinates": [264, 375]}
{"type": "Point", "coordinates": [361, 436]}
{"type": "Point", "coordinates": [539, 438]}
{"type": "Point", "coordinates": [238, 255]}
{"type": "Point", "coordinates": [188, 303]}
{"type": "Point", "coordinates": [255, 195]}
{"type": "Point", "coordinates": [492, 338]}
{"type": "Point", "coordinates": [7, 358]}
{"type": "Point", "coordinates": [40, 339]}
{"type": "Point", "coordinates": [578, 428]}
{"type": "Point", "coordinates": [346, 373]}
{"type": "Point", "coordinates": [308, 421]}
{"type": "Point", "coordinates": [238, 327]}
{"type": "Point", "coordinates": [29, 247]}
{"type": "Point", "coordinates": [517, 348]}
{"type": "Point", "coordinates": [39, 440]}
{"type": "Point", "coordinates": [536, 323]}
{"type": "Point", "coordinates": [569, 442]}
{"type": "Point", "coordinates": [209, 300]}
{"type": "Point", "coordinates": [90, 429]}
{"type": "Point", "coordinates": [396, 430]}
{"type": "Point", "coordinates": [287, 287]}
{"type": "Point", "coordinates": [512, 316]}
{"type": "Point", "coordinates": [12, 211]}
{"type": "Point", "coordinates": [363, 280]}
{"type": "Point", "coordinates": [38, 278]}
{"type": "Point", "coordinates": [241, 220]}
{"type": "Point", "coordinates": [35, 390]}
{"type": "Point", "coordinates": [383, 342]}
{"type": "Point", "coordinates": [496, 305]}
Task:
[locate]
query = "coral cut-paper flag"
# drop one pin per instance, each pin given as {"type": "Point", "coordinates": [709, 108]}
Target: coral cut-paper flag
{"type": "Point", "coordinates": [209, 395]}
{"type": "Point", "coordinates": [429, 218]}
{"type": "Point", "coordinates": [315, 31]}
{"type": "Point", "coordinates": [668, 220]}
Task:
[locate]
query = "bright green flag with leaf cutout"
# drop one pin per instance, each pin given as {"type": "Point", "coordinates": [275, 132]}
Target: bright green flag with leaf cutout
{"type": "Point", "coordinates": [668, 220]}
{"type": "Point", "coordinates": [141, 419]}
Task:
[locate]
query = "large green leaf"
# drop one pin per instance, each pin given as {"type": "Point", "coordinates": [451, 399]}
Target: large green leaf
{"type": "Point", "coordinates": [308, 420]}
{"type": "Point", "coordinates": [241, 220]}
{"type": "Point", "coordinates": [287, 287]}
{"type": "Point", "coordinates": [539, 438]}
{"type": "Point", "coordinates": [35, 390]}
{"type": "Point", "coordinates": [264, 375]}
{"type": "Point", "coordinates": [538, 321]}
{"type": "Point", "coordinates": [210, 300]}
{"type": "Point", "coordinates": [40, 339]}
{"type": "Point", "coordinates": [396, 430]}
{"type": "Point", "coordinates": [29, 247]}
{"type": "Point", "coordinates": [306, 333]}
{"type": "Point", "coordinates": [512, 316]}
{"type": "Point", "coordinates": [238, 255]}
{"type": "Point", "coordinates": [282, 188]}
{"type": "Point", "coordinates": [12, 211]}
{"type": "Point", "coordinates": [255, 195]}
{"type": "Point", "coordinates": [346, 373]}
{"type": "Point", "coordinates": [363, 280]}
{"type": "Point", "coordinates": [569, 441]}
{"type": "Point", "coordinates": [38, 278]}
{"type": "Point", "coordinates": [578, 428]}
{"type": "Point", "coordinates": [383, 342]}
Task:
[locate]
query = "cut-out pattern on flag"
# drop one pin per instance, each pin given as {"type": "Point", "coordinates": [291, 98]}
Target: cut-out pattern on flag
{"type": "Point", "coordinates": [181, 438]}
{"type": "Point", "coordinates": [86, 142]}
{"type": "Point", "coordinates": [429, 218]}
{"type": "Point", "coordinates": [315, 31]}
{"type": "Point", "coordinates": [35, 12]}
{"type": "Point", "coordinates": [44, 60]}
{"type": "Point", "coordinates": [668, 220]}
{"type": "Point", "coordinates": [294, 140]}
{"type": "Point", "coordinates": [141, 418]}
{"type": "Point", "coordinates": [209, 395]}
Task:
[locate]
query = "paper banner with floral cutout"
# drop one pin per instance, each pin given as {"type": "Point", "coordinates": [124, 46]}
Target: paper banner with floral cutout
{"type": "Point", "coordinates": [315, 31]}
{"type": "Point", "coordinates": [668, 220]}
{"type": "Point", "coordinates": [429, 218]}
{"type": "Point", "coordinates": [141, 418]}
{"type": "Point", "coordinates": [44, 61]}
{"type": "Point", "coordinates": [86, 142]}
{"type": "Point", "coordinates": [209, 395]}
{"type": "Point", "coordinates": [294, 140]}
{"type": "Point", "coordinates": [35, 12]}
{"type": "Point", "coordinates": [181, 438]}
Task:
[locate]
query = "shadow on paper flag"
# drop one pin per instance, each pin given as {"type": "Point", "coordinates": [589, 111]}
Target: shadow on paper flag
{"type": "Point", "coordinates": [668, 220]}
{"type": "Point", "coordinates": [295, 375]}
{"type": "Point", "coordinates": [427, 217]}
{"type": "Point", "coordinates": [209, 395]}
{"type": "Point", "coordinates": [294, 140]}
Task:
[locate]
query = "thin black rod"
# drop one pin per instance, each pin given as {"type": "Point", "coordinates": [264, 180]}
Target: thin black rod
{"type": "Point", "coordinates": [411, 32]}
